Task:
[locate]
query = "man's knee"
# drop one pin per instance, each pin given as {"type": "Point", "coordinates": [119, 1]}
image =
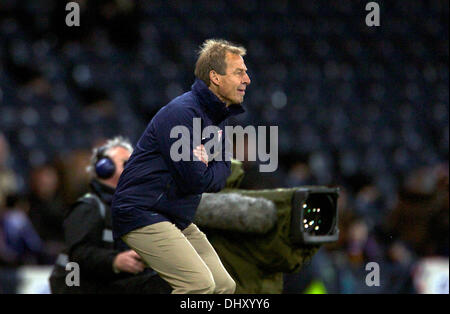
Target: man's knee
{"type": "Point", "coordinates": [226, 287]}
{"type": "Point", "coordinates": [204, 285]}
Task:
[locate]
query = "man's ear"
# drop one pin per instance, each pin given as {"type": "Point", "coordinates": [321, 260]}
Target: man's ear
{"type": "Point", "coordinates": [214, 77]}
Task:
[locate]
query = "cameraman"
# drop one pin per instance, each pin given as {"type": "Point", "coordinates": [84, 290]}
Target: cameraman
{"type": "Point", "coordinates": [88, 236]}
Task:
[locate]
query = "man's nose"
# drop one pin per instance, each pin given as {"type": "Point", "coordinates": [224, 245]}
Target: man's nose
{"type": "Point", "coordinates": [247, 79]}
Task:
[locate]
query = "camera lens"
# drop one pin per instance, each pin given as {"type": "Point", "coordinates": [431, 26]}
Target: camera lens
{"type": "Point", "coordinates": [318, 214]}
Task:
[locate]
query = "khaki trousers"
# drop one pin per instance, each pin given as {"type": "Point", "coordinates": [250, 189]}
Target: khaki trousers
{"type": "Point", "coordinates": [185, 259]}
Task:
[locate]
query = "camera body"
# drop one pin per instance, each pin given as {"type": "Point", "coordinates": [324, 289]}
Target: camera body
{"type": "Point", "coordinates": [260, 235]}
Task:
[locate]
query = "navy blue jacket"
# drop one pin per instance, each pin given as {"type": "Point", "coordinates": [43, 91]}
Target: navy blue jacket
{"type": "Point", "coordinates": [153, 187]}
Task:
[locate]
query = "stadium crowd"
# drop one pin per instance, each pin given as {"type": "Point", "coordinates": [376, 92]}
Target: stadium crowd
{"type": "Point", "coordinates": [362, 108]}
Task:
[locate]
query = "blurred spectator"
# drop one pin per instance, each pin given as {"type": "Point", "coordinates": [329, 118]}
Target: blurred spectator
{"type": "Point", "coordinates": [19, 242]}
{"type": "Point", "coordinates": [299, 174]}
{"type": "Point", "coordinates": [74, 181]}
{"type": "Point", "coordinates": [369, 204]}
{"type": "Point", "coordinates": [422, 212]}
{"type": "Point", "coordinates": [8, 181]}
{"type": "Point", "coordinates": [47, 209]}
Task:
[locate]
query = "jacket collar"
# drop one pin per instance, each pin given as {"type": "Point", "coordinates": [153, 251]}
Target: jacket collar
{"type": "Point", "coordinates": [105, 192]}
{"type": "Point", "coordinates": [214, 107]}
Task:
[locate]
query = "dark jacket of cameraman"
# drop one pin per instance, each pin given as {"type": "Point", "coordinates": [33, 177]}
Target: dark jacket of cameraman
{"type": "Point", "coordinates": [89, 243]}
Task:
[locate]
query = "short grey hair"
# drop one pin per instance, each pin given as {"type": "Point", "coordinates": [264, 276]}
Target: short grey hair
{"type": "Point", "coordinates": [118, 141]}
{"type": "Point", "coordinates": [211, 56]}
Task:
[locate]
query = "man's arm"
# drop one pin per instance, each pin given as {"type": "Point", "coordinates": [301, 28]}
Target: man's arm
{"type": "Point", "coordinates": [83, 231]}
{"type": "Point", "coordinates": [192, 176]}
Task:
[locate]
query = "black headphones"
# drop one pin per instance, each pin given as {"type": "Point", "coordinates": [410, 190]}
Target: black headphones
{"type": "Point", "coordinates": [104, 166]}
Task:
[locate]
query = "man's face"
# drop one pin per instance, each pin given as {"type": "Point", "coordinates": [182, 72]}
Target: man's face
{"type": "Point", "coordinates": [119, 156]}
{"type": "Point", "coordinates": [232, 85]}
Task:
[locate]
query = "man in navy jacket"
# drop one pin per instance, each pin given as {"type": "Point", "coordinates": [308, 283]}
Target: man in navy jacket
{"type": "Point", "coordinates": [158, 194]}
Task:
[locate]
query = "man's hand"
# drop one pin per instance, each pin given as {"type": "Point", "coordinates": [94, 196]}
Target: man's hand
{"type": "Point", "coordinates": [200, 153]}
{"type": "Point", "coordinates": [129, 262]}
